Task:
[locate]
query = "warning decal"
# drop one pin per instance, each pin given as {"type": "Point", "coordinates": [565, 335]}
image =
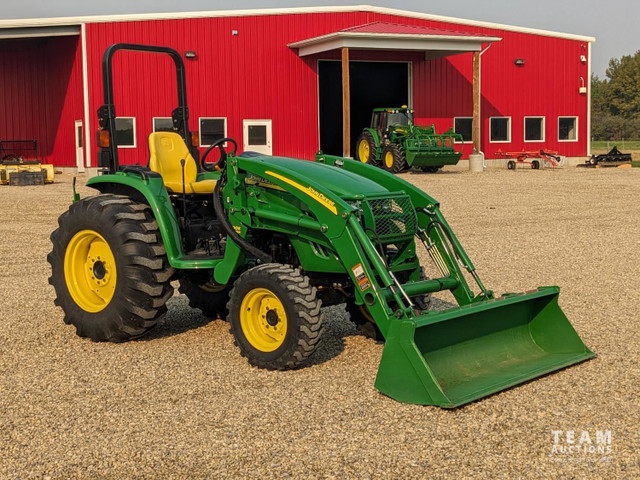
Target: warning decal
{"type": "Point", "coordinates": [361, 277]}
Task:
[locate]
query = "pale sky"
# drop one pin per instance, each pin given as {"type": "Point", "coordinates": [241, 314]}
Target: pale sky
{"type": "Point", "coordinates": [614, 23]}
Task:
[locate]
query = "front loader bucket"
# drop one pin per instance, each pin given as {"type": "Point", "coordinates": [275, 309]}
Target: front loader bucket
{"type": "Point", "coordinates": [459, 355]}
{"type": "Point", "coordinates": [434, 159]}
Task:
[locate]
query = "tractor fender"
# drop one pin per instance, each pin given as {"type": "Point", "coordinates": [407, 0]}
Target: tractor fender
{"type": "Point", "coordinates": [374, 134]}
{"type": "Point", "coordinates": [150, 190]}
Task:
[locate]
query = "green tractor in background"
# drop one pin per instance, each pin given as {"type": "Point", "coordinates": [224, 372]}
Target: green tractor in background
{"type": "Point", "coordinates": [265, 242]}
{"type": "Point", "coordinates": [396, 144]}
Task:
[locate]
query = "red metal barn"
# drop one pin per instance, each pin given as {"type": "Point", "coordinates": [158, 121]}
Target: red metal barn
{"type": "Point", "coordinates": [272, 80]}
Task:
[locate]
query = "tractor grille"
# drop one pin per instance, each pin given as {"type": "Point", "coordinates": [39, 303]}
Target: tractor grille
{"type": "Point", "coordinates": [392, 217]}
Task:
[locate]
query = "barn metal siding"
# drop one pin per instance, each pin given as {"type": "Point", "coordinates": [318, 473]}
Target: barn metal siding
{"type": "Point", "coordinates": [254, 75]}
{"type": "Point", "coordinates": [547, 86]}
{"type": "Point", "coordinates": [64, 99]}
{"type": "Point", "coordinates": [41, 94]}
{"type": "Point", "coordinates": [22, 93]}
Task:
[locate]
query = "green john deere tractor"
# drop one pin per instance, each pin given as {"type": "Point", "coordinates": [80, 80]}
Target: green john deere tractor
{"type": "Point", "coordinates": [396, 144]}
{"type": "Point", "coordinates": [267, 241]}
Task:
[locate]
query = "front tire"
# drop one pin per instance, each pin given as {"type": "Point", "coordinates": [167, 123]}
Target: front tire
{"type": "Point", "coordinates": [275, 316]}
{"type": "Point", "coordinates": [109, 268]}
{"type": "Point", "coordinates": [394, 159]}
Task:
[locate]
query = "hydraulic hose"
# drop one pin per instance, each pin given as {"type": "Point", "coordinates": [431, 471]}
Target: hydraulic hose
{"type": "Point", "coordinates": [228, 228]}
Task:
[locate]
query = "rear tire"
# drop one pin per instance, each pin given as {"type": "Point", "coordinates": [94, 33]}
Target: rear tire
{"type": "Point", "coordinates": [535, 164]}
{"type": "Point", "coordinates": [210, 299]}
{"type": "Point", "coordinates": [109, 268]}
{"type": "Point", "coordinates": [275, 316]}
{"type": "Point", "coordinates": [511, 165]}
{"type": "Point", "coordinates": [393, 159]}
{"type": "Point", "coordinates": [363, 321]}
{"type": "Point", "coordinates": [366, 149]}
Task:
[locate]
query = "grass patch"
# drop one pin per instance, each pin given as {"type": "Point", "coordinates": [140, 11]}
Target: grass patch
{"type": "Point", "coordinates": [623, 145]}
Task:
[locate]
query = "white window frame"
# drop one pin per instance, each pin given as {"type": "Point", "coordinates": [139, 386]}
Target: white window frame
{"type": "Point", "coordinates": [153, 122]}
{"type": "Point", "coordinates": [576, 118]}
{"type": "Point", "coordinates": [542, 129]}
{"type": "Point", "coordinates": [454, 127]}
{"type": "Point", "coordinates": [200, 129]}
{"type": "Point", "coordinates": [508, 140]}
{"type": "Point", "coordinates": [135, 136]}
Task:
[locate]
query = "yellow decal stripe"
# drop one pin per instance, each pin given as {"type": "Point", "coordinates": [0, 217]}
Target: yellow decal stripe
{"type": "Point", "coordinates": [317, 196]}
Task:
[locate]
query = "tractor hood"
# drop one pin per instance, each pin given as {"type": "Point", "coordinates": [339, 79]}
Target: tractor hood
{"type": "Point", "coordinates": [341, 182]}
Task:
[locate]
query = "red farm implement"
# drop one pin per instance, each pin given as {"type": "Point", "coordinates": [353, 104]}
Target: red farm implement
{"type": "Point", "coordinates": [531, 157]}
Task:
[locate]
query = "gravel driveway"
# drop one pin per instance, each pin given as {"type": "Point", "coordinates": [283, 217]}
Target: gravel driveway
{"type": "Point", "coordinates": [183, 403]}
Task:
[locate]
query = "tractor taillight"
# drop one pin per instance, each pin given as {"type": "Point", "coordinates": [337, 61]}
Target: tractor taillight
{"type": "Point", "coordinates": [195, 139]}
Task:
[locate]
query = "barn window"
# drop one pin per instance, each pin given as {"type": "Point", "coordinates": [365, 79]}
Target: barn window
{"type": "Point", "coordinates": [500, 129]}
{"type": "Point", "coordinates": [126, 132]}
{"type": "Point", "coordinates": [162, 124]}
{"type": "Point", "coordinates": [567, 129]}
{"type": "Point", "coordinates": [212, 129]}
{"type": "Point", "coordinates": [464, 126]}
{"type": "Point", "coordinates": [534, 129]}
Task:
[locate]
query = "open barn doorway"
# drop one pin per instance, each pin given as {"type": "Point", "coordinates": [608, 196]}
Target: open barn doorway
{"type": "Point", "coordinates": [373, 84]}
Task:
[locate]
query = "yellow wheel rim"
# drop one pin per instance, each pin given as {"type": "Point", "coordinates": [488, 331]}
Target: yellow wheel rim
{"type": "Point", "coordinates": [388, 159]}
{"type": "Point", "coordinates": [263, 320]}
{"type": "Point", "coordinates": [90, 271]}
{"type": "Point", "coordinates": [364, 151]}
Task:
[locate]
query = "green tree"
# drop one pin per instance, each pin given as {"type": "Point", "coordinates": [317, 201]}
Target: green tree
{"type": "Point", "coordinates": [623, 89]}
{"type": "Point", "coordinates": [599, 95]}
{"type": "Point", "coordinates": [615, 100]}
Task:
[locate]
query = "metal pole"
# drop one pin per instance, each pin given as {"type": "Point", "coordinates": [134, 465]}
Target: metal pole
{"type": "Point", "coordinates": [346, 105]}
{"type": "Point", "coordinates": [476, 102]}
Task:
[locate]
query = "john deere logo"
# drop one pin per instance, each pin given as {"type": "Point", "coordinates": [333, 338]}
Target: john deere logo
{"type": "Point", "coordinates": [321, 197]}
{"type": "Point", "coordinates": [313, 193]}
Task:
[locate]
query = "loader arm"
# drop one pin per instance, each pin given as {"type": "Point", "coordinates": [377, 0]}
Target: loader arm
{"type": "Point", "coordinates": [432, 224]}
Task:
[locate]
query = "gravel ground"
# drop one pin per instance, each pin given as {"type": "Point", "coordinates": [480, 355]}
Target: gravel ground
{"type": "Point", "coordinates": [182, 403]}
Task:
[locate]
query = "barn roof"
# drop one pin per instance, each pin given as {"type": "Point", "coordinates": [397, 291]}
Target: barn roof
{"type": "Point", "coordinates": [39, 22]}
{"type": "Point", "coordinates": [393, 36]}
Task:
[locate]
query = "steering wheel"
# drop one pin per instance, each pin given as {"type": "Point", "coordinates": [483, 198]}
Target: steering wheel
{"type": "Point", "coordinates": [219, 165]}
